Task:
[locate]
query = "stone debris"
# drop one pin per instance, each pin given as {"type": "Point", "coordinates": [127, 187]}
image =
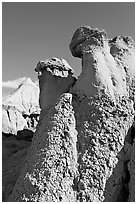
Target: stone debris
{"type": "Point", "coordinates": [83, 147]}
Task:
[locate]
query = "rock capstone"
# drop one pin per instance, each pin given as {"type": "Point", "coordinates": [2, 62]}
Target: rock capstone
{"type": "Point", "coordinates": [55, 78]}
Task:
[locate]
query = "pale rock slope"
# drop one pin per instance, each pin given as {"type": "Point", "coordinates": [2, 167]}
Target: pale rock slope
{"type": "Point", "coordinates": [24, 98]}
{"type": "Point", "coordinates": [19, 105]}
{"type": "Point", "coordinates": [83, 148]}
{"type": "Point", "coordinates": [13, 83]}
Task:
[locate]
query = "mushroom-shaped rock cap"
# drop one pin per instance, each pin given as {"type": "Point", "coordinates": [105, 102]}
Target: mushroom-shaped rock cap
{"type": "Point", "coordinates": [57, 67]}
{"type": "Point", "coordinates": [86, 36]}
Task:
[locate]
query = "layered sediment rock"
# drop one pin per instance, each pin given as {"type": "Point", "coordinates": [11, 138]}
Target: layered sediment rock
{"type": "Point", "coordinates": [21, 108]}
{"type": "Point", "coordinates": [12, 120]}
{"type": "Point", "coordinates": [82, 148]}
{"type": "Point", "coordinates": [25, 98]}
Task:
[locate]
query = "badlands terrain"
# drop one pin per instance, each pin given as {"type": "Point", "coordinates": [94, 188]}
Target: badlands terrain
{"type": "Point", "coordinates": [71, 139]}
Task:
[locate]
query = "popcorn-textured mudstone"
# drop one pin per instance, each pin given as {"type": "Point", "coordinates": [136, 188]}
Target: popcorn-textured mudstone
{"type": "Point", "coordinates": [51, 163]}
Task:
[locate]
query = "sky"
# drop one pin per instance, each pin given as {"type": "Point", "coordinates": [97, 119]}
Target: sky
{"type": "Point", "coordinates": [33, 31]}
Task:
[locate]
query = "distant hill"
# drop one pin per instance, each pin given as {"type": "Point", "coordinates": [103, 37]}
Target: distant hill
{"type": "Point", "coordinates": [21, 104]}
{"type": "Point", "coordinates": [24, 98]}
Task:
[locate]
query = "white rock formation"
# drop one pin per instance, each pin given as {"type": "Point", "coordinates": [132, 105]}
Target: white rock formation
{"type": "Point", "coordinates": [104, 113]}
{"type": "Point", "coordinates": [100, 71]}
{"type": "Point", "coordinates": [23, 101]}
{"type": "Point", "coordinates": [81, 150]}
{"type": "Point", "coordinates": [12, 120]}
{"type": "Point", "coordinates": [24, 98]}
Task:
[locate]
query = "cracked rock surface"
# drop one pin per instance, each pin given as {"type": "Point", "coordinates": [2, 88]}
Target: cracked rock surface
{"type": "Point", "coordinates": [83, 148]}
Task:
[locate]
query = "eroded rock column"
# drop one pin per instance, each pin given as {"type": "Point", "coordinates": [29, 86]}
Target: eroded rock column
{"type": "Point", "coordinates": [82, 148]}
{"type": "Point", "coordinates": [51, 162]}
{"type": "Point", "coordinates": [104, 110]}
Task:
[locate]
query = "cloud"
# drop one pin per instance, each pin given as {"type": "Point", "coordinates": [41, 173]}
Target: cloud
{"type": "Point", "coordinates": [13, 84]}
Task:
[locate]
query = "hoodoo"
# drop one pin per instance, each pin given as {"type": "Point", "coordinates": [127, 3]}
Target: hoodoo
{"type": "Point", "coordinates": [104, 113]}
{"type": "Point", "coordinates": [83, 148]}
